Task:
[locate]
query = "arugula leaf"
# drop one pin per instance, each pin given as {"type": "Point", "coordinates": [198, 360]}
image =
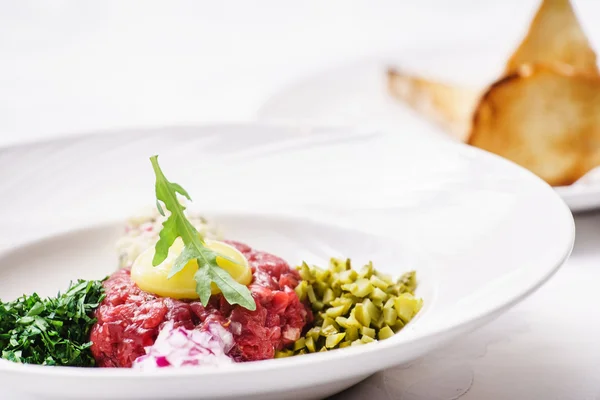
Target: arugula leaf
{"type": "Point", "coordinates": [52, 331]}
{"type": "Point", "coordinates": [230, 286]}
{"type": "Point", "coordinates": [188, 253]}
{"type": "Point", "coordinates": [202, 278]}
{"type": "Point", "coordinates": [177, 225]}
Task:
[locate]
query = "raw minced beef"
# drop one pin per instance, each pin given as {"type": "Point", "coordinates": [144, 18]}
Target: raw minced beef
{"type": "Point", "coordinates": [129, 319]}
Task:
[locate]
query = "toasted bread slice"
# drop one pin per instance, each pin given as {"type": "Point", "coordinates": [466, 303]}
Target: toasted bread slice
{"type": "Point", "coordinates": [451, 107]}
{"type": "Point", "coordinates": [555, 37]}
{"type": "Point", "coordinates": [544, 118]}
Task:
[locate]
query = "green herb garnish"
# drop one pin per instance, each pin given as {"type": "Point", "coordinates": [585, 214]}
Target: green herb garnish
{"type": "Point", "coordinates": [177, 225]}
{"type": "Point", "coordinates": [52, 331]}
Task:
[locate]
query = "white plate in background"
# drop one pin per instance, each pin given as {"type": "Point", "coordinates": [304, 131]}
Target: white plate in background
{"type": "Point", "coordinates": [356, 95]}
{"type": "Point", "coordinates": [482, 233]}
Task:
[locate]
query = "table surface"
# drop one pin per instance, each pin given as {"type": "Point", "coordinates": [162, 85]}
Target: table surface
{"type": "Point", "coordinates": [68, 67]}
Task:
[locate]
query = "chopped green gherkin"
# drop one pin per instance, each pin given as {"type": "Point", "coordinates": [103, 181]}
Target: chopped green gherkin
{"type": "Point", "coordinates": [320, 288]}
{"type": "Point", "coordinates": [363, 288]}
{"type": "Point", "coordinates": [310, 344]}
{"type": "Point", "coordinates": [305, 273]}
{"type": "Point", "coordinates": [362, 315]}
{"type": "Point", "coordinates": [323, 275]}
{"type": "Point", "coordinates": [351, 333]}
{"type": "Point", "coordinates": [334, 312]}
{"type": "Point", "coordinates": [378, 295]}
{"type": "Point", "coordinates": [366, 339]}
{"type": "Point", "coordinates": [385, 332]}
{"type": "Point", "coordinates": [389, 303]}
{"type": "Point", "coordinates": [352, 321]}
{"type": "Point", "coordinates": [328, 321]}
{"type": "Point", "coordinates": [334, 340]}
{"type": "Point", "coordinates": [343, 322]}
{"type": "Point", "coordinates": [301, 290]}
{"type": "Point", "coordinates": [368, 332]}
{"type": "Point", "coordinates": [283, 353]}
{"type": "Point", "coordinates": [378, 282]}
{"type": "Point", "coordinates": [373, 310]}
{"type": "Point", "coordinates": [300, 344]}
{"type": "Point", "coordinates": [407, 306]}
{"type": "Point", "coordinates": [312, 297]}
{"type": "Point", "coordinates": [328, 296]}
{"type": "Point", "coordinates": [398, 325]}
{"type": "Point", "coordinates": [351, 307]}
{"type": "Point", "coordinates": [366, 271]}
{"type": "Point", "coordinates": [378, 323]}
{"type": "Point", "coordinates": [389, 316]}
{"type": "Point", "coordinates": [313, 333]}
{"type": "Point", "coordinates": [329, 330]}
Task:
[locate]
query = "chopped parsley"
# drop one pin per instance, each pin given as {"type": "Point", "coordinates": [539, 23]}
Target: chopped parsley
{"type": "Point", "coordinates": [51, 331]}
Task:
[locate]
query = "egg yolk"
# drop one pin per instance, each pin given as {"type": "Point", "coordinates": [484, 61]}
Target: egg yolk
{"type": "Point", "coordinates": [182, 285]}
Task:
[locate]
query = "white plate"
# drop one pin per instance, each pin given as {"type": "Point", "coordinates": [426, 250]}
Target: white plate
{"type": "Point", "coordinates": [356, 95]}
{"type": "Point", "coordinates": [481, 232]}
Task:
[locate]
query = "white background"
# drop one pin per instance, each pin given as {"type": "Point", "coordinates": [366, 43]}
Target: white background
{"type": "Point", "coordinates": [72, 66]}
{"type": "Point", "coordinates": [69, 66]}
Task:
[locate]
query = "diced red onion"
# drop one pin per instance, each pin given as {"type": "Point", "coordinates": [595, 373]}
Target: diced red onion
{"type": "Point", "coordinates": [180, 347]}
{"type": "Point", "coordinates": [236, 328]}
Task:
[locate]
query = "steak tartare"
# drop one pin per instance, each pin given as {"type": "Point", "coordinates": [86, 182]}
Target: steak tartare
{"type": "Point", "coordinates": [129, 319]}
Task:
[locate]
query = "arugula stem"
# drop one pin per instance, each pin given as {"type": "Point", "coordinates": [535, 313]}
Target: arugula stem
{"type": "Point", "coordinates": [177, 225]}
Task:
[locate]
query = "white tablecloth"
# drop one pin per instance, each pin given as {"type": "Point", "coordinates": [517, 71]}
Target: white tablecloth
{"type": "Point", "coordinates": [73, 66]}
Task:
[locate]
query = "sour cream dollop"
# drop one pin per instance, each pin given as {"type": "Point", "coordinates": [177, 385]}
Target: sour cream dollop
{"type": "Point", "coordinates": [180, 347]}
